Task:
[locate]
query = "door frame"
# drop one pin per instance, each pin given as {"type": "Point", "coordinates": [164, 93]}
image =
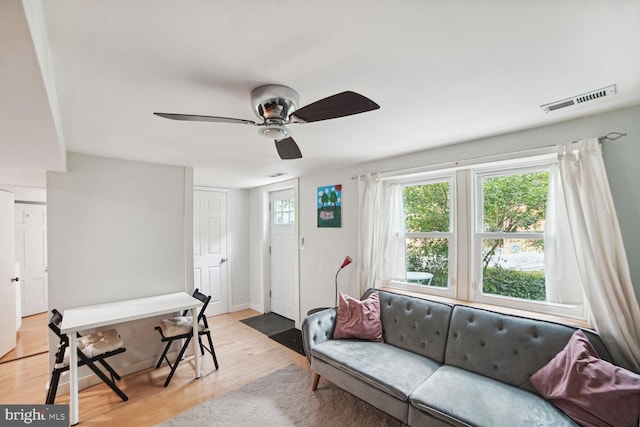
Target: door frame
{"type": "Point", "coordinates": [265, 241]}
{"type": "Point", "coordinates": [226, 231]}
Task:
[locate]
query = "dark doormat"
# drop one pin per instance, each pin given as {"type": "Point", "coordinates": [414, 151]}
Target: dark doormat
{"type": "Point", "coordinates": [269, 323]}
{"type": "Point", "coordinates": [291, 338]}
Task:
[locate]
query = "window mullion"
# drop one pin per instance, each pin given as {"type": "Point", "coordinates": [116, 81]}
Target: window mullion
{"type": "Point", "coordinates": [511, 235]}
{"type": "Point", "coordinates": [432, 234]}
{"type": "Point", "coordinates": [462, 227]}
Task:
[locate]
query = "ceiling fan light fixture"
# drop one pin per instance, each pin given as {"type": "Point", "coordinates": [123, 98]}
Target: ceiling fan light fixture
{"type": "Point", "coordinates": [276, 105]}
{"type": "Point", "coordinates": [275, 132]}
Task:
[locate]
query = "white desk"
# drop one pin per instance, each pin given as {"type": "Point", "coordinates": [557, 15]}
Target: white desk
{"type": "Point", "coordinates": [94, 316]}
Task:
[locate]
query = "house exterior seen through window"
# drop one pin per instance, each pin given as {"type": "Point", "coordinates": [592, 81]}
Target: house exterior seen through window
{"type": "Point", "coordinates": [509, 234]}
{"type": "Point", "coordinates": [428, 231]}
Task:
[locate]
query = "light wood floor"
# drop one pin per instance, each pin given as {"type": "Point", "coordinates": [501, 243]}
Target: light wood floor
{"type": "Point", "coordinates": [31, 338]}
{"type": "Point", "coordinates": [244, 355]}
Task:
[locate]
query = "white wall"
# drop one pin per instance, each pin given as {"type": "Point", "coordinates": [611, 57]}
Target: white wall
{"type": "Point", "coordinates": [27, 194]}
{"type": "Point", "coordinates": [256, 250]}
{"type": "Point", "coordinates": [325, 248]}
{"type": "Point", "coordinates": [11, 179]}
{"type": "Point", "coordinates": [119, 229]}
{"type": "Point", "coordinates": [238, 247]}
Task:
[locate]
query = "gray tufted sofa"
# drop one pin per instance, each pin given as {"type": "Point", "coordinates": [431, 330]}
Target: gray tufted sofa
{"type": "Point", "coordinates": [444, 364]}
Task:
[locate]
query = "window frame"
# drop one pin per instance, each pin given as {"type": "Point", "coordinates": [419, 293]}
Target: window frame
{"type": "Point", "coordinates": [478, 233]}
{"type": "Point", "coordinates": [450, 291]}
{"type": "Point", "coordinates": [289, 213]}
{"type": "Point", "coordinates": [466, 233]}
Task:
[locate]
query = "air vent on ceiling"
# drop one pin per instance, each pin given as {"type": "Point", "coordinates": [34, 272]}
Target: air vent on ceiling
{"type": "Point", "coordinates": [275, 174]}
{"type": "Point", "coordinates": [579, 99]}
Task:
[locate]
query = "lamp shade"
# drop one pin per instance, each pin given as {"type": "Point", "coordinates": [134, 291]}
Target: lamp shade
{"type": "Point", "coordinates": [347, 261]}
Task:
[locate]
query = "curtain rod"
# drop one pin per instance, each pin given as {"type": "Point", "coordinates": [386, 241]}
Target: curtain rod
{"type": "Point", "coordinates": [611, 136]}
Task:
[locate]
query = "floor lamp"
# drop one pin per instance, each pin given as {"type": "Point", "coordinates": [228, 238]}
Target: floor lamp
{"type": "Point", "coordinates": [347, 261]}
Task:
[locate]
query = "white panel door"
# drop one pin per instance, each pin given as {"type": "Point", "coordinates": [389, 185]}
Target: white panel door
{"type": "Point", "coordinates": [210, 248]}
{"type": "Point", "coordinates": [7, 269]}
{"type": "Point", "coordinates": [31, 253]}
{"type": "Point", "coordinates": [283, 253]}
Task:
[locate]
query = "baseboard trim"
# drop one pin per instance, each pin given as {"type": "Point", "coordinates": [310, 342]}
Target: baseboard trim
{"type": "Point", "coordinates": [256, 308]}
{"type": "Point", "coordinates": [240, 307]}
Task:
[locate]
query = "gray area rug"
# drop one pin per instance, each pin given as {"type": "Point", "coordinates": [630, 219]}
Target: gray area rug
{"type": "Point", "coordinates": [284, 398]}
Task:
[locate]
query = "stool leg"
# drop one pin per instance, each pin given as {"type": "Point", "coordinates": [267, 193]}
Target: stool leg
{"type": "Point", "coordinates": [102, 376]}
{"type": "Point", "coordinates": [108, 367]}
{"type": "Point", "coordinates": [53, 387]}
{"type": "Point", "coordinates": [164, 353]}
{"type": "Point", "coordinates": [213, 351]}
{"type": "Point", "coordinates": [175, 364]}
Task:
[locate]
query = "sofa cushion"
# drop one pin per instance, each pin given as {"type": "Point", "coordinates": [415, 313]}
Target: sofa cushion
{"type": "Point", "coordinates": [464, 398]}
{"type": "Point", "coordinates": [388, 368]}
{"type": "Point", "coordinates": [358, 319]}
{"type": "Point", "coordinates": [415, 324]}
{"type": "Point", "coordinates": [503, 347]}
{"type": "Point", "coordinates": [588, 389]}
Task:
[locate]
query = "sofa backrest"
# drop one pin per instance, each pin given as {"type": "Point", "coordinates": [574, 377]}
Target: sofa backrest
{"type": "Point", "coordinates": [415, 324]}
{"type": "Point", "coordinates": [505, 347]}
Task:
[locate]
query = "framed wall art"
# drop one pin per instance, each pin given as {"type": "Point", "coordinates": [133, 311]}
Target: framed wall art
{"type": "Point", "coordinates": [330, 206]}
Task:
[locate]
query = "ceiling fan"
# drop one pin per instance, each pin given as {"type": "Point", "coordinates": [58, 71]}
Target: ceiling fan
{"type": "Point", "coordinates": [277, 106]}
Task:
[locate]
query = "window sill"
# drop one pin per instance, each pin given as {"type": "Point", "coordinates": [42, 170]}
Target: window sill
{"type": "Point", "coordinates": [577, 323]}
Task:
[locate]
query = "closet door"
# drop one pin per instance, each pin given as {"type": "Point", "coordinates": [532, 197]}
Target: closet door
{"type": "Point", "coordinates": [210, 248]}
{"type": "Point", "coordinates": [31, 253]}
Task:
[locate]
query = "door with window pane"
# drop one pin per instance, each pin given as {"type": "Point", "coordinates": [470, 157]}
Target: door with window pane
{"type": "Point", "coordinates": [283, 253]}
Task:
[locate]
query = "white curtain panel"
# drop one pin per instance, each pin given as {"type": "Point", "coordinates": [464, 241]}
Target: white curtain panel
{"type": "Point", "coordinates": [601, 259]}
{"type": "Point", "coordinates": [562, 279]}
{"type": "Point", "coordinates": [393, 262]}
{"type": "Point", "coordinates": [369, 200]}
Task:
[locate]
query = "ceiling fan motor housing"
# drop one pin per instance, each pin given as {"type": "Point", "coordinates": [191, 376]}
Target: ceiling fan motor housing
{"type": "Point", "coordinates": [274, 103]}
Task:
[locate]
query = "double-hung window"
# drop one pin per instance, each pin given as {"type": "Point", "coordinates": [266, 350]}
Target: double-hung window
{"type": "Point", "coordinates": [429, 208]}
{"type": "Point", "coordinates": [477, 233]}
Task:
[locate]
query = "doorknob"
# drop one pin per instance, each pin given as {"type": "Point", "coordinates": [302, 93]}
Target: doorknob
{"type": "Point", "coordinates": [15, 279]}
{"type": "Point", "coordinates": [222, 260]}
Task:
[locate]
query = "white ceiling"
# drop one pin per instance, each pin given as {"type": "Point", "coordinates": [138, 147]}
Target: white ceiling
{"type": "Point", "coordinates": [442, 71]}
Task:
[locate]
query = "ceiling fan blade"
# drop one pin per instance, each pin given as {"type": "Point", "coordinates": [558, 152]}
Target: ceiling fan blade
{"type": "Point", "coordinates": [288, 149]}
{"type": "Point", "coordinates": [195, 118]}
{"type": "Point", "coordinates": [332, 107]}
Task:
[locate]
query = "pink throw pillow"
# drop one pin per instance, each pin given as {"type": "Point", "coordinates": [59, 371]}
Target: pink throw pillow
{"type": "Point", "coordinates": [359, 319]}
{"type": "Point", "coordinates": [592, 391]}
